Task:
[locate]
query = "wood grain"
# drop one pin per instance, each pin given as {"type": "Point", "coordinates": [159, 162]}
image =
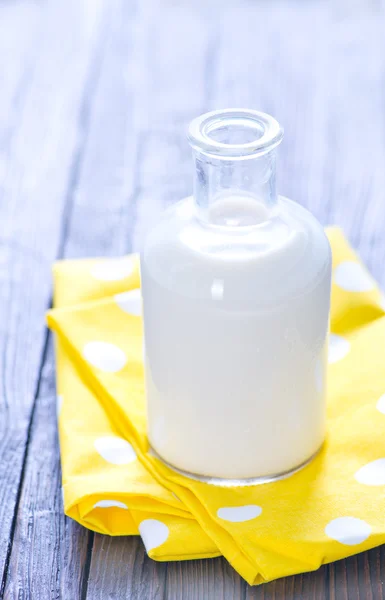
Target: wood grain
{"type": "Point", "coordinates": [95, 97]}
{"type": "Point", "coordinates": [40, 146]}
{"type": "Point", "coordinates": [49, 552]}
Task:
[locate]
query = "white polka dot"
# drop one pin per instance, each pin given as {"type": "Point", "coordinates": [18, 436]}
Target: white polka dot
{"type": "Point", "coordinates": [353, 277]}
{"type": "Point", "coordinates": [373, 473]}
{"type": "Point", "coordinates": [237, 514]}
{"type": "Point", "coordinates": [338, 348]}
{"type": "Point", "coordinates": [59, 402]}
{"type": "Point", "coordinates": [104, 356]}
{"type": "Point", "coordinates": [130, 302]}
{"type": "Point", "coordinates": [348, 530]}
{"type": "Point", "coordinates": [154, 533]}
{"type": "Point", "coordinates": [115, 450]}
{"type": "Point", "coordinates": [110, 504]}
{"type": "Point", "coordinates": [113, 269]}
{"type": "Point", "coordinates": [381, 404]}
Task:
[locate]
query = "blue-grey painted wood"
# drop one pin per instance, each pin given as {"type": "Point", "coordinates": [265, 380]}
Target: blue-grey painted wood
{"type": "Point", "coordinates": [117, 88]}
{"type": "Point", "coordinates": [98, 222]}
{"type": "Point", "coordinates": [49, 52]}
{"type": "Point", "coordinates": [49, 552]}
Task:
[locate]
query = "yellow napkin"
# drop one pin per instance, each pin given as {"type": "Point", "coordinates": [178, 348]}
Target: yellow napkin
{"type": "Point", "coordinates": [331, 509]}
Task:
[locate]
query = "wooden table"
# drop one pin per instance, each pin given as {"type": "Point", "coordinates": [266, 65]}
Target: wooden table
{"type": "Point", "coordinates": [95, 96]}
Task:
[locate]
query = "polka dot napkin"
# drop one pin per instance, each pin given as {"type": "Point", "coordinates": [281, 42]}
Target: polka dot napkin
{"type": "Point", "coordinates": [111, 483]}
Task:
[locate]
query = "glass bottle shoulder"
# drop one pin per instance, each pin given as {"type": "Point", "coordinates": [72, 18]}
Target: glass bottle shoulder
{"type": "Point", "coordinates": [242, 266]}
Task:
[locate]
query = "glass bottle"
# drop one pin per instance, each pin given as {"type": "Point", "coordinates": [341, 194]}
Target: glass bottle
{"type": "Point", "coordinates": [236, 294]}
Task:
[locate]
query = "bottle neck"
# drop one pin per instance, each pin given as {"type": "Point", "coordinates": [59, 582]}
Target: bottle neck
{"type": "Point", "coordinates": [234, 154]}
{"type": "Point", "coordinates": [234, 192]}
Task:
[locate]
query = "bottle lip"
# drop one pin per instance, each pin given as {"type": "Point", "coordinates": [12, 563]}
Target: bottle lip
{"type": "Point", "coordinates": [267, 130]}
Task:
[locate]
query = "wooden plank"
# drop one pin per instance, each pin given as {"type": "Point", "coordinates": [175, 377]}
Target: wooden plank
{"type": "Point", "coordinates": [120, 568]}
{"type": "Point", "coordinates": [213, 578]}
{"type": "Point", "coordinates": [176, 58]}
{"type": "Point", "coordinates": [358, 122]}
{"type": "Point", "coordinates": [49, 552]}
{"type": "Point", "coordinates": [54, 554]}
{"type": "Point", "coordinates": [18, 34]}
{"type": "Point", "coordinates": [39, 151]}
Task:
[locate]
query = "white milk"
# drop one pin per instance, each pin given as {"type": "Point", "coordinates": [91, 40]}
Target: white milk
{"type": "Point", "coordinates": [236, 317]}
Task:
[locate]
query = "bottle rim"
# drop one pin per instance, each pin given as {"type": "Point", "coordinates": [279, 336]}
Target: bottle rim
{"type": "Point", "coordinates": [264, 130]}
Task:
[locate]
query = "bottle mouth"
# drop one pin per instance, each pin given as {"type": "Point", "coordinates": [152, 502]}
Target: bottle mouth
{"type": "Point", "coordinates": [235, 133]}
